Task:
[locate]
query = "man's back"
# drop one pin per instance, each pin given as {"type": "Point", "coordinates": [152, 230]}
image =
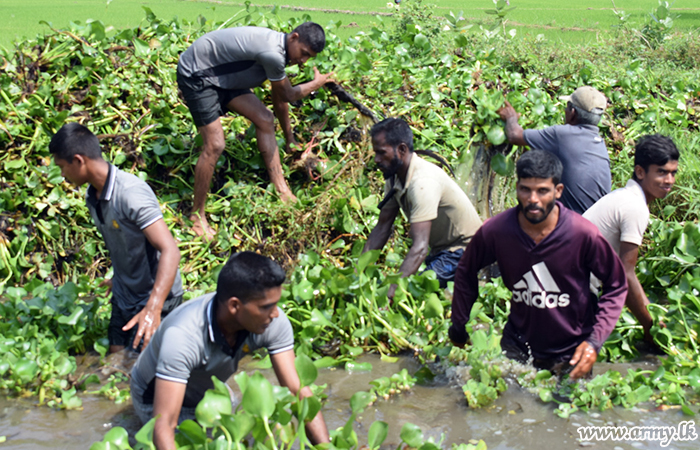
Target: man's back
{"type": "Point", "coordinates": [127, 206]}
{"type": "Point", "coordinates": [585, 158]}
{"type": "Point", "coordinates": [236, 58]}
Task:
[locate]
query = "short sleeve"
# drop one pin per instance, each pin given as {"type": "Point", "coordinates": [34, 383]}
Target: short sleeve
{"type": "Point", "coordinates": [273, 63]}
{"type": "Point", "coordinates": [424, 198]}
{"type": "Point", "coordinates": [141, 206]}
{"type": "Point", "coordinates": [279, 336]}
{"type": "Point", "coordinates": [633, 224]}
{"type": "Point", "coordinates": [545, 139]}
{"type": "Point", "coordinates": [177, 357]}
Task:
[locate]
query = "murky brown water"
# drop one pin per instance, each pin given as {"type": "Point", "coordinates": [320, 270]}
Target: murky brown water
{"type": "Point", "coordinates": [517, 420]}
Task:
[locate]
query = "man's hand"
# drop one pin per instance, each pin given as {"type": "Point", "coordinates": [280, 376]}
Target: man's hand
{"type": "Point", "coordinates": [507, 112]}
{"type": "Point", "coordinates": [584, 358]}
{"type": "Point", "coordinates": [148, 321]}
{"type": "Point", "coordinates": [292, 145]}
{"type": "Point", "coordinates": [107, 282]}
{"type": "Point", "coordinates": [320, 79]}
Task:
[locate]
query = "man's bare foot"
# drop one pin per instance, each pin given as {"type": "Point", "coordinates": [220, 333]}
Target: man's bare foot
{"type": "Point", "coordinates": [201, 228]}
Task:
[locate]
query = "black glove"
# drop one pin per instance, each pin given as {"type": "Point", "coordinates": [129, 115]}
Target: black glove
{"type": "Point", "coordinates": [458, 334]}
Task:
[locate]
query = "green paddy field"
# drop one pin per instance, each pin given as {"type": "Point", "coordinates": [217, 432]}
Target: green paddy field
{"type": "Point", "coordinates": [555, 20]}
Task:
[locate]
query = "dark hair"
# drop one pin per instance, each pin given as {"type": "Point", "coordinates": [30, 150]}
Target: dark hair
{"type": "Point", "coordinates": [396, 131]}
{"type": "Point", "coordinates": [311, 34]}
{"type": "Point", "coordinates": [654, 149]}
{"type": "Point", "coordinates": [584, 117]}
{"type": "Point", "coordinates": [74, 139]}
{"type": "Point", "coordinates": [539, 164]}
{"type": "Point", "coordinates": [247, 276]}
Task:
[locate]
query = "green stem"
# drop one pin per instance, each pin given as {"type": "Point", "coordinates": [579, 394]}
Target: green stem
{"type": "Point", "coordinates": [269, 433]}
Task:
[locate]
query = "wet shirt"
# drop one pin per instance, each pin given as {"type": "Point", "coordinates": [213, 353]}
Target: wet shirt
{"type": "Point", "coordinates": [552, 307]}
{"type": "Point", "coordinates": [431, 195]}
{"type": "Point", "coordinates": [126, 207]}
{"type": "Point", "coordinates": [189, 348]}
{"type": "Point", "coordinates": [236, 58]}
{"type": "Point", "coordinates": [582, 152]}
{"type": "Point", "coordinates": [622, 215]}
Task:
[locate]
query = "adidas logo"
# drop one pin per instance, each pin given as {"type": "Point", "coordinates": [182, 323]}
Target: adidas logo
{"type": "Point", "coordinates": [538, 289]}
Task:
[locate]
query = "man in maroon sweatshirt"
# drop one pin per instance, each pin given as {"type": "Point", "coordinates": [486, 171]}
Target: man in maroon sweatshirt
{"type": "Point", "coordinates": [545, 253]}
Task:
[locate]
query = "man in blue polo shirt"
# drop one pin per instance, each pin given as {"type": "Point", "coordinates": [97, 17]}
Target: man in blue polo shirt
{"type": "Point", "coordinates": [145, 258]}
{"type": "Point", "coordinates": [207, 337]}
{"type": "Point", "coordinates": [577, 144]}
{"type": "Point", "coordinates": [216, 74]}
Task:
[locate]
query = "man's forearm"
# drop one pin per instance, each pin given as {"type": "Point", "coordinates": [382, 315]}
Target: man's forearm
{"type": "Point", "coordinates": [281, 109]}
{"type": "Point", "coordinates": [377, 238]}
{"type": "Point", "coordinates": [415, 257]}
{"type": "Point", "coordinates": [163, 435]}
{"type": "Point", "coordinates": [514, 132]}
{"type": "Point", "coordinates": [637, 300]}
{"type": "Point", "coordinates": [165, 277]}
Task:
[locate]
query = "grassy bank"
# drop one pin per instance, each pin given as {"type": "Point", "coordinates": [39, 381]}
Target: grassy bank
{"type": "Point", "coordinates": [566, 23]}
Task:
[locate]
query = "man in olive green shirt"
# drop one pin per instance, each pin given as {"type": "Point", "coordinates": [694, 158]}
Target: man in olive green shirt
{"type": "Point", "coordinates": [442, 218]}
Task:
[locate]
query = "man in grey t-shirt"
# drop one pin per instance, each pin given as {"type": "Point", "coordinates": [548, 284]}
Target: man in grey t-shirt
{"type": "Point", "coordinates": [216, 74]}
{"type": "Point", "coordinates": [207, 337]}
{"type": "Point", "coordinates": [145, 258]}
{"type": "Point", "coordinates": [577, 144]}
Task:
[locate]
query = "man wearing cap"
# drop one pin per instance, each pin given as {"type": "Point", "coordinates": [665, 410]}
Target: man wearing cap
{"type": "Point", "coordinates": [577, 143]}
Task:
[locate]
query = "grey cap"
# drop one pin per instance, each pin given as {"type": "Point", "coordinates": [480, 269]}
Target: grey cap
{"type": "Point", "coordinates": [587, 98]}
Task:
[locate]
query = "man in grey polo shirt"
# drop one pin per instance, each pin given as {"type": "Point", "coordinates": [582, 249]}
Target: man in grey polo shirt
{"type": "Point", "coordinates": [146, 284]}
{"type": "Point", "coordinates": [207, 337]}
{"type": "Point", "coordinates": [577, 144]}
{"type": "Point", "coordinates": [216, 74]}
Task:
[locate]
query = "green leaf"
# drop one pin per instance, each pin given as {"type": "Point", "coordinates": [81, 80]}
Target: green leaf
{"type": "Point", "coordinates": [411, 435]}
{"type": "Point", "coordinates": [211, 407]}
{"type": "Point", "coordinates": [238, 425]}
{"type": "Point", "coordinates": [378, 432]}
{"type": "Point", "coordinates": [496, 135]}
{"type": "Point", "coordinates": [73, 318]}
{"type": "Point", "coordinates": [118, 438]}
{"type": "Point", "coordinates": [421, 41]}
{"type": "Point", "coordinates": [193, 432]}
{"type": "Point", "coordinates": [352, 366]}
{"type": "Point", "coordinates": [366, 259]}
{"type": "Point", "coordinates": [326, 361]}
{"type": "Point", "coordinates": [25, 369]}
{"type": "Point", "coordinates": [502, 165]}
{"type": "Point", "coordinates": [141, 47]}
{"type": "Point", "coordinates": [306, 370]}
{"type": "Point", "coordinates": [433, 307]}
{"type": "Point", "coordinates": [359, 401]}
{"type": "Point", "coordinates": [258, 399]}
{"type": "Point", "coordinates": [145, 435]}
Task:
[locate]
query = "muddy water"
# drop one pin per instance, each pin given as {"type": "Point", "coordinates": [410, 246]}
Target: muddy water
{"type": "Point", "coordinates": [517, 420]}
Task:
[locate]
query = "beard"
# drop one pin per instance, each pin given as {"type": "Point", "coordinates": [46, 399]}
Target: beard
{"type": "Point", "coordinates": [545, 212]}
{"type": "Point", "coordinates": [393, 167]}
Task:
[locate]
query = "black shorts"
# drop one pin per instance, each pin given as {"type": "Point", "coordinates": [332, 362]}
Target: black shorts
{"type": "Point", "coordinates": [206, 103]}
{"type": "Point", "coordinates": [121, 317]}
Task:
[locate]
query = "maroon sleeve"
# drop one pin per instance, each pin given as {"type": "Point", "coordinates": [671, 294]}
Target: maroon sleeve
{"type": "Point", "coordinates": [607, 267]}
{"type": "Point", "coordinates": [477, 255]}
